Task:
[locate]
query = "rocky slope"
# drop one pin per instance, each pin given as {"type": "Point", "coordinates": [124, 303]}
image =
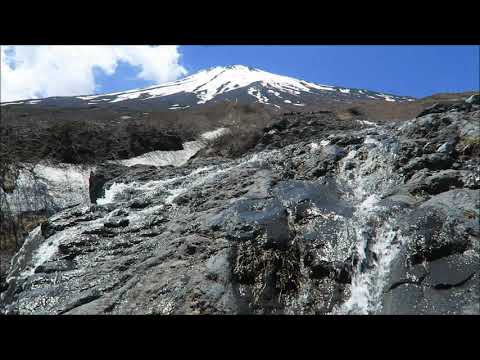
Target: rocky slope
{"type": "Point", "coordinates": [318, 216]}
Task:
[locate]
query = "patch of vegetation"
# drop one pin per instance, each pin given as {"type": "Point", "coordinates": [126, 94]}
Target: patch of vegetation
{"type": "Point", "coordinates": [235, 143]}
{"type": "Point", "coordinates": [470, 214]}
{"type": "Point", "coordinates": [472, 140]}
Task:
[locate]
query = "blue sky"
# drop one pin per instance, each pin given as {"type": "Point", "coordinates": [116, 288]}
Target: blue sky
{"type": "Point", "coordinates": [404, 70]}
{"type": "Point", "coordinates": [28, 70]}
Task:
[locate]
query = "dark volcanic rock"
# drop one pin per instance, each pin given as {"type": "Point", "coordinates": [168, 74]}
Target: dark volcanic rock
{"type": "Point", "coordinates": [321, 216]}
{"type": "Point", "coordinates": [435, 161]}
{"type": "Point", "coordinates": [437, 182]}
{"type": "Point", "coordinates": [100, 176]}
{"type": "Point", "coordinates": [436, 271]}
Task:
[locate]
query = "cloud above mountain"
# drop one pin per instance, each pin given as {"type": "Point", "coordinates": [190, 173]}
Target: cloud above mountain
{"type": "Point", "coordinates": [29, 72]}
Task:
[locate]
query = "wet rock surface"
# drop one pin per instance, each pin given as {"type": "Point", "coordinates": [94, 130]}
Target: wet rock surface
{"type": "Point", "coordinates": [322, 217]}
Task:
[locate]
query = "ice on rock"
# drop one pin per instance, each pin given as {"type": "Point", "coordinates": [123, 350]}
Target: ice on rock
{"type": "Point", "coordinates": [53, 186]}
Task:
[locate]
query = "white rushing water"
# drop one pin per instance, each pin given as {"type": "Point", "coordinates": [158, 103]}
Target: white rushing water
{"type": "Point", "coordinates": [375, 232]}
{"type": "Point", "coordinates": [377, 241]}
{"type": "Point", "coordinates": [173, 187]}
{"type": "Point", "coordinates": [37, 251]}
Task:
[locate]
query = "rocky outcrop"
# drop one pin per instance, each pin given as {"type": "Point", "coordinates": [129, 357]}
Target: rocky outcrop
{"type": "Point", "coordinates": [438, 270]}
{"type": "Point", "coordinates": [467, 105]}
{"type": "Point", "coordinates": [320, 217]}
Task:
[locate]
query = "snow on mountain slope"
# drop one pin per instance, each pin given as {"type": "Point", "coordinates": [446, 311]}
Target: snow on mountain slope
{"type": "Point", "coordinates": [233, 83]}
{"type": "Point", "coordinates": [175, 157]}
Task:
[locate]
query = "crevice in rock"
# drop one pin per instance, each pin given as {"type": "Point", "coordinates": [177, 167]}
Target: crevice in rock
{"type": "Point", "coordinates": [94, 295]}
{"type": "Point", "coordinates": [440, 252]}
{"type": "Point", "coordinates": [407, 281]}
{"type": "Point", "coordinates": [442, 286]}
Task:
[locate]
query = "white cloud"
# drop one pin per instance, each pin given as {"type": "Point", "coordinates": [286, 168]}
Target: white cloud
{"type": "Point", "coordinates": [29, 72]}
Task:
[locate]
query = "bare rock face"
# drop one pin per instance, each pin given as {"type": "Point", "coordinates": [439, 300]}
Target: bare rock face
{"type": "Point", "coordinates": [315, 219]}
{"type": "Point", "coordinates": [441, 262]}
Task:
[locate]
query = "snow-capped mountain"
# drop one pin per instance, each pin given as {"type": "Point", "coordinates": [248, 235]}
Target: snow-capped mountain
{"type": "Point", "coordinates": [236, 83]}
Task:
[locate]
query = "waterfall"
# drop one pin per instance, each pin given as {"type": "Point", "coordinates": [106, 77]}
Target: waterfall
{"type": "Point", "coordinates": [376, 238]}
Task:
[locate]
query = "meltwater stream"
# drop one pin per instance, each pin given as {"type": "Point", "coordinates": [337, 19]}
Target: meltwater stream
{"type": "Point", "coordinates": [376, 238]}
{"type": "Point", "coordinates": [173, 187]}
{"type": "Point", "coordinates": [368, 172]}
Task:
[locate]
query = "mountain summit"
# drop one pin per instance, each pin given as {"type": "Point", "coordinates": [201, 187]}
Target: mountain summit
{"type": "Point", "coordinates": [235, 83]}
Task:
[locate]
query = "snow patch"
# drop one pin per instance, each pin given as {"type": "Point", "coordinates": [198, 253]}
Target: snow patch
{"type": "Point", "coordinates": [365, 122]}
{"type": "Point", "coordinates": [210, 83]}
{"type": "Point", "coordinates": [386, 97]}
{"type": "Point", "coordinates": [44, 185]}
{"type": "Point", "coordinates": [470, 99]}
{"type": "Point", "coordinates": [175, 157]}
{"type": "Point", "coordinates": [11, 103]}
{"type": "Point", "coordinates": [177, 107]}
{"type": "Point", "coordinates": [256, 93]}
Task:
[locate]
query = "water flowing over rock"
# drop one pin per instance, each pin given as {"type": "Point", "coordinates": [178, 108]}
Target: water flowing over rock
{"type": "Point", "coordinates": [321, 217]}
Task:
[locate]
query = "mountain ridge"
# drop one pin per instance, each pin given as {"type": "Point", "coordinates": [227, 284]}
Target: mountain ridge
{"type": "Point", "coordinates": [237, 83]}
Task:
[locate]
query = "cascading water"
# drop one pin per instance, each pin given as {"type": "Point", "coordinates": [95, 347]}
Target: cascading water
{"type": "Point", "coordinates": [377, 241]}
{"type": "Point", "coordinates": [376, 238]}
{"type": "Point", "coordinates": [174, 187]}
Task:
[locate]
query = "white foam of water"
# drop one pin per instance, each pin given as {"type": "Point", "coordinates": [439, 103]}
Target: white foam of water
{"type": "Point", "coordinates": [214, 134]}
{"type": "Point", "coordinates": [125, 191]}
{"type": "Point", "coordinates": [369, 203]}
{"type": "Point", "coordinates": [369, 179]}
{"type": "Point", "coordinates": [371, 140]}
{"type": "Point", "coordinates": [176, 186]}
{"type": "Point", "coordinates": [365, 122]}
{"type": "Point", "coordinates": [48, 247]}
{"type": "Point", "coordinates": [314, 147]}
{"type": "Point", "coordinates": [367, 287]}
{"type": "Point", "coordinates": [20, 256]}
